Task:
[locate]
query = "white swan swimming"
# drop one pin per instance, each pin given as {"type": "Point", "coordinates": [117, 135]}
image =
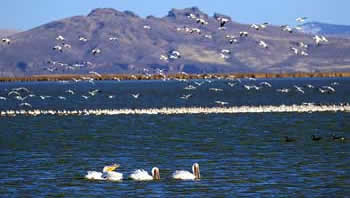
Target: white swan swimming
{"type": "Point", "coordinates": [142, 175]}
{"type": "Point", "coordinates": [107, 173]}
{"type": "Point", "coordinates": [186, 175]}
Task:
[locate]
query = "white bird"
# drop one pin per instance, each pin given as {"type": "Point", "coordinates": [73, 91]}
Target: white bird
{"type": "Point", "coordinates": [107, 173]}
{"type": "Point", "coordinates": [96, 51]}
{"type": "Point", "coordinates": [142, 175]}
{"type": "Point", "coordinates": [21, 98]}
{"type": "Point", "coordinates": [185, 97]}
{"type": "Point", "coordinates": [243, 34]}
{"type": "Point", "coordinates": [25, 104]}
{"type": "Point", "coordinates": [286, 28]}
{"type": "Point", "coordinates": [44, 97]}
{"type": "Point", "coordinates": [163, 57]}
{"type": "Point", "coordinates": [190, 87]}
{"type": "Point", "coordinates": [13, 92]}
{"type": "Point", "coordinates": [147, 27]}
{"type": "Point", "coordinates": [113, 38]}
{"type": "Point", "coordinates": [301, 19]}
{"type": "Point", "coordinates": [61, 97]}
{"type": "Point", "coordinates": [6, 40]}
{"type": "Point", "coordinates": [263, 44]}
{"type": "Point", "coordinates": [186, 175]}
{"type": "Point", "coordinates": [222, 21]}
{"type": "Point", "coordinates": [231, 84]}
{"type": "Point", "coordinates": [135, 95]}
{"type": "Point", "coordinates": [70, 91]}
{"type": "Point", "coordinates": [95, 73]}
{"type": "Point", "coordinates": [83, 39]}
{"type": "Point", "coordinates": [221, 102]}
{"type": "Point", "coordinates": [255, 26]}
{"type": "Point", "coordinates": [329, 88]}
{"type": "Point", "coordinates": [94, 92]}
{"type": "Point", "coordinates": [303, 53]}
{"type": "Point", "coordinates": [295, 50]}
{"type": "Point", "coordinates": [283, 90]}
{"type": "Point", "coordinates": [67, 46]}
{"type": "Point", "coordinates": [85, 97]}
{"type": "Point", "coordinates": [60, 38]}
{"type": "Point", "coordinates": [299, 89]}
{"type": "Point", "coordinates": [266, 84]}
{"type": "Point", "coordinates": [215, 89]}
{"type": "Point", "coordinates": [58, 48]}
{"type": "Point", "coordinates": [3, 98]}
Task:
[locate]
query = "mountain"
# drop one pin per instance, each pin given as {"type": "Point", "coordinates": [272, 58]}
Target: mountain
{"type": "Point", "coordinates": [131, 44]}
{"type": "Point", "coordinates": [5, 32]}
{"type": "Point", "coordinates": [327, 29]}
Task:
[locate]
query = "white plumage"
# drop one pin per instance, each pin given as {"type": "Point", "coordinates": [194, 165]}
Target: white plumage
{"type": "Point", "coordinates": [142, 175]}
{"type": "Point", "coordinates": [186, 175]}
{"type": "Point", "coordinates": [107, 173]}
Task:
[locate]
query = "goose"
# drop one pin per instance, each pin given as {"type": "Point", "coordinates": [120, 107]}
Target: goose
{"type": "Point", "coordinates": [263, 44]}
{"type": "Point", "coordinates": [60, 38]}
{"type": "Point", "coordinates": [96, 51]}
{"type": "Point", "coordinates": [186, 175]}
{"type": "Point", "coordinates": [201, 21]}
{"type": "Point", "coordinates": [301, 19]}
{"type": "Point", "coordinates": [3, 98]}
{"type": "Point", "coordinates": [222, 21]}
{"type": "Point", "coordinates": [112, 38]}
{"type": "Point", "coordinates": [83, 39]}
{"type": "Point", "coordinates": [108, 173]}
{"type": "Point", "coordinates": [255, 26]}
{"type": "Point", "coordinates": [147, 27]}
{"type": "Point", "coordinates": [58, 48]}
{"type": "Point", "coordinates": [295, 50]}
{"type": "Point", "coordinates": [243, 34]}
{"type": "Point", "coordinates": [142, 175]}
{"type": "Point", "coordinates": [303, 53]}
{"type": "Point", "coordinates": [6, 40]}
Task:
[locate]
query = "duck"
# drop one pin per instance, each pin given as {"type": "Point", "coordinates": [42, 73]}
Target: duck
{"type": "Point", "coordinates": [341, 138]}
{"type": "Point", "coordinates": [107, 173]}
{"type": "Point", "coordinates": [142, 175]}
{"type": "Point", "coordinates": [316, 138]}
{"type": "Point", "coordinates": [186, 175]}
{"type": "Point", "coordinates": [288, 139]}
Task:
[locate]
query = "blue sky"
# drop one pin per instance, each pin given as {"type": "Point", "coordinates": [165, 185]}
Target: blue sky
{"type": "Point", "coordinates": [26, 14]}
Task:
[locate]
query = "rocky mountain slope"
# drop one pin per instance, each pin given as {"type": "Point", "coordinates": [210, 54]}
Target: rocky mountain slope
{"type": "Point", "coordinates": [130, 44]}
{"type": "Point", "coordinates": [327, 29]}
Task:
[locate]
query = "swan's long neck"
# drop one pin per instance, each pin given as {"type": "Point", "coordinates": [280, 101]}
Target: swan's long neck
{"type": "Point", "coordinates": [195, 170]}
{"type": "Point", "coordinates": [155, 173]}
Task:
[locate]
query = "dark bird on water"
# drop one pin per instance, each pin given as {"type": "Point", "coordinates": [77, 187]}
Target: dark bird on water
{"type": "Point", "coordinates": [316, 138]}
{"type": "Point", "coordinates": [341, 138]}
{"type": "Point", "coordinates": [288, 139]}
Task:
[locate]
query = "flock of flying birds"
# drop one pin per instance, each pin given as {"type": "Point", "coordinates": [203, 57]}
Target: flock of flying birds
{"type": "Point", "coordinates": [23, 95]}
{"type": "Point", "coordinates": [301, 48]}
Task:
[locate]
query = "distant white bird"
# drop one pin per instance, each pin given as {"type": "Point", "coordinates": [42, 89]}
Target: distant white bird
{"type": "Point", "coordinates": [186, 96]}
{"type": "Point", "coordinates": [21, 98]}
{"type": "Point", "coordinates": [58, 48]}
{"type": "Point", "coordinates": [255, 26]}
{"type": "Point", "coordinates": [44, 97]}
{"type": "Point", "coordinates": [186, 175]}
{"type": "Point", "coordinates": [13, 92]}
{"type": "Point", "coordinates": [163, 57]}
{"type": "Point", "coordinates": [225, 51]}
{"type": "Point", "coordinates": [60, 38]}
{"type": "Point", "coordinates": [95, 73]}
{"type": "Point", "coordinates": [94, 92]}
{"type": "Point", "coordinates": [201, 21]}
{"type": "Point", "coordinates": [147, 27]}
{"type": "Point", "coordinates": [263, 44]}
{"type": "Point", "coordinates": [61, 97]}
{"type": "Point", "coordinates": [301, 19]}
{"type": "Point", "coordinates": [83, 39]}
{"type": "Point", "coordinates": [221, 102]}
{"type": "Point", "coordinates": [70, 91]}
{"type": "Point", "coordinates": [67, 46]}
{"type": "Point", "coordinates": [85, 97]}
{"type": "Point", "coordinates": [113, 38]}
{"type": "Point", "coordinates": [96, 51]}
{"type": "Point", "coordinates": [135, 95]}
{"type": "Point", "coordinates": [331, 89]}
{"type": "Point", "coordinates": [231, 84]}
{"type": "Point", "coordinates": [295, 50]}
{"type": "Point", "coordinates": [299, 89]}
{"type": "Point", "coordinates": [215, 89]}
{"type": "Point", "coordinates": [190, 87]}
{"type": "Point", "coordinates": [110, 97]}
{"type": "Point", "coordinates": [304, 53]}
{"type": "Point", "coordinates": [303, 45]}
{"type": "Point", "coordinates": [6, 40]}
{"type": "Point", "coordinates": [286, 28]}
{"type": "Point", "coordinates": [243, 34]}
{"type": "Point", "coordinates": [142, 175]}
{"type": "Point", "coordinates": [222, 21]}
{"type": "Point", "coordinates": [266, 84]}
{"type": "Point", "coordinates": [283, 90]}
{"type": "Point", "coordinates": [3, 98]}
{"type": "Point", "coordinates": [25, 104]}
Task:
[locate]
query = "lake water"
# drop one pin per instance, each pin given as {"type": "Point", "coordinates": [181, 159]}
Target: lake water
{"type": "Point", "coordinates": [240, 155]}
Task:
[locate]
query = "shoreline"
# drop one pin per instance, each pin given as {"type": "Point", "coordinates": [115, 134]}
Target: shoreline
{"type": "Point", "coordinates": [183, 76]}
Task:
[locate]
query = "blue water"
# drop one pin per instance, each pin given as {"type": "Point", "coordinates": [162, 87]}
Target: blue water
{"type": "Point", "coordinates": [240, 155]}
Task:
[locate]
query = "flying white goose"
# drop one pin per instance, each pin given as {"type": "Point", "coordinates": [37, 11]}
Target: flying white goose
{"type": "Point", "coordinates": [108, 173]}
{"type": "Point", "coordinates": [186, 175]}
{"type": "Point", "coordinates": [6, 40]}
{"type": "Point", "coordinates": [142, 175]}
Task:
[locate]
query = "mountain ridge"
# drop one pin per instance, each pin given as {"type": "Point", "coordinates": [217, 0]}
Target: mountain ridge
{"type": "Point", "coordinates": [131, 44]}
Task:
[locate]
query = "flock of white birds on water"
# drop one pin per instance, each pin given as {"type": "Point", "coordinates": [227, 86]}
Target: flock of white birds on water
{"type": "Point", "coordinates": [300, 49]}
{"type": "Point", "coordinates": [25, 97]}
{"type": "Point", "coordinates": [109, 173]}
